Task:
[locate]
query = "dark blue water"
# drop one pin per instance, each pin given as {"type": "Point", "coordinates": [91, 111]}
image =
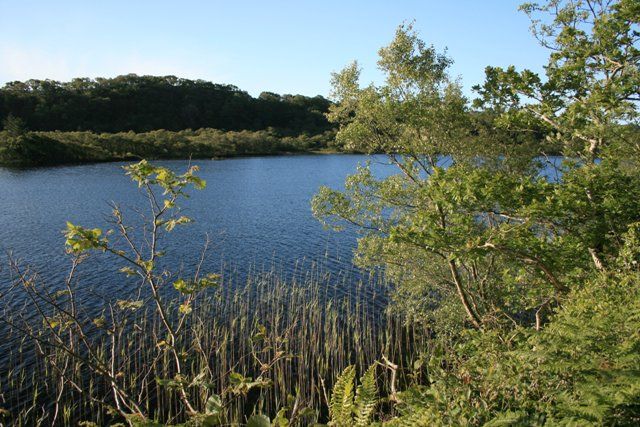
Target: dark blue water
{"type": "Point", "coordinates": [256, 211]}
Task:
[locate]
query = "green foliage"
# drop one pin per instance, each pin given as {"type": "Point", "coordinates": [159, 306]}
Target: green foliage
{"type": "Point", "coordinates": [419, 111]}
{"type": "Point", "coordinates": [50, 148]}
{"type": "Point", "coordinates": [528, 285]}
{"type": "Point", "coordinates": [129, 305]}
{"type": "Point", "coordinates": [487, 230]}
{"type": "Point", "coordinates": [529, 282]}
{"type": "Point", "coordinates": [422, 224]}
{"type": "Point", "coordinates": [258, 421]}
{"type": "Point", "coordinates": [145, 174]}
{"type": "Point", "coordinates": [582, 369]}
{"type": "Point", "coordinates": [590, 92]}
{"type": "Point", "coordinates": [33, 148]}
{"type": "Point", "coordinates": [241, 385]}
{"type": "Point", "coordinates": [188, 287]}
{"type": "Point", "coordinates": [14, 126]}
{"type": "Point", "coordinates": [341, 405]}
{"type": "Point", "coordinates": [80, 239]}
{"type": "Point", "coordinates": [145, 103]}
{"type": "Point", "coordinates": [349, 409]}
{"type": "Point", "coordinates": [366, 398]}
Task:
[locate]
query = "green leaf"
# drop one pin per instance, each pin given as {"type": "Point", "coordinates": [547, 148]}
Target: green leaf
{"type": "Point", "coordinates": [281, 418]}
{"type": "Point", "coordinates": [366, 397]}
{"type": "Point", "coordinates": [130, 304]}
{"type": "Point", "coordinates": [259, 420]}
{"type": "Point", "coordinates": [341, 404]}
{"type": "Point", "coordinates": [213, 405]}
{"type": "Point", "coordinates": [80, 239]}
{"type": "Point", "coordinates": [185, 308]}
{"type": "Point", "coordinates": [128, 271]}
{"type": "Point", "coordinates": [241, 384]}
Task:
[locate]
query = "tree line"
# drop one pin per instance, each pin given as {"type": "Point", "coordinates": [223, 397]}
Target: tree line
{"type": "Point", "coordinates": [144, 103]}
{"type": "Point", "coordinates": [48, 122]}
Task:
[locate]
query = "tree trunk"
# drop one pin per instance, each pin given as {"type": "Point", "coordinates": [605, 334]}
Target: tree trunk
{"type": "Point", "coordinates": [473, 316]}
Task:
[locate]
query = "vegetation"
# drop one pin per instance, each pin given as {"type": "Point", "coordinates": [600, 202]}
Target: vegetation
{"type": "Point", "coordinates": [519, 273]}
{"type": "Point", "coordinates": [204, 349]}
{"type": "Point", "coordinates": [52, 148]}
{"type": "Point", "coordinates": [145, 103]}
{"type": "Point", "coordinates": [515, 278]}
{"type": "Point", "coordinates": [134, 117]}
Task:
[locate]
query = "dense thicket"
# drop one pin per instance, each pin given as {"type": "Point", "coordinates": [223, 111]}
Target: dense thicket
{"type": "Point", "coordinates": [145, 103]}
{"type": "Point", "coordinates": [52, 148]}
{"type": "Point", "coordinates": [524, 267]}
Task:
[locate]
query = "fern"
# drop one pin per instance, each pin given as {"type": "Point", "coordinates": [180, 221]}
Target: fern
{"type": "Point", "coordinates": [349, 410]}
{"type": "Point", "coordinates": [341, 405]}
{"type": "Point", "coordinates": [366, 397]}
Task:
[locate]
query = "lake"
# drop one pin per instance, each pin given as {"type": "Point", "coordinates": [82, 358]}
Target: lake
{"type": "Point", "coordinates": [255, 210]}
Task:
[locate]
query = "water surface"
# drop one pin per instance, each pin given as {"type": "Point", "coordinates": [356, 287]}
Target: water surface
{"type": "Point", "coordinates": [256, 212]}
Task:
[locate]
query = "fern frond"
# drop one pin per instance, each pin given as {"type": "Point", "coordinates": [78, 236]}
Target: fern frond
{"type": "Point", "coordinates": [341, 405]}
{"type": "Point", "coordinates": [366, 397]}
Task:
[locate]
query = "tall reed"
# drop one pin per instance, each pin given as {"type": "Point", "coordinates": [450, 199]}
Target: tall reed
{"type": "Point", "coordinates": [295, 333]}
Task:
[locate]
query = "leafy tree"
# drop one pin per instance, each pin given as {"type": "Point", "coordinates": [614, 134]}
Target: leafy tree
{"type": "Point", "coordinates": [14, 126]}
{"type": "Point", "coordinates": [590, 91]}
{"type": "Point", "coordinates": [422, 224]}
{"type": "Point", "coordinates": [588, 100]}
{"type": "Point", "coordinates": [528, 280]}
{"type": "Point", "coordinates": [579, 370]}
{"type": "Point", "coordinates": [485, 238]}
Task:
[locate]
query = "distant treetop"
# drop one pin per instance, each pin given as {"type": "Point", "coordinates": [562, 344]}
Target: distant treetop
{"type": "Point", "coordinates": [143, 103]}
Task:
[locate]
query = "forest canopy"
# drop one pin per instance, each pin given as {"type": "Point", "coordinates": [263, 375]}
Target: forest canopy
{"type": "Point", "coordinates": [46, 122]}
{"type": "Point", "coordinates": [144, 103]}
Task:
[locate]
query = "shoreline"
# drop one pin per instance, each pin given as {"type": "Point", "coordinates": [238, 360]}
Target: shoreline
{"type": "Point", "coordinates": [155, 159]}
{"type": "Point", "coordinates": [56, 148]}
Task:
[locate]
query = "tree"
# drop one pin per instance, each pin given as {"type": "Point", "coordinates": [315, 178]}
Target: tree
{"type": "Point", "coordinates": [517, 272]}
{"type": "Point", "coordinates": [480, 240]}
{"type": "Point", "coordinates": [14, 126]}
{"type": "Point", "coordinates": [588, 100]}
{"type": "Point", "coordinates": [589, 96]}
{"type": "Point", "coordinates": [422, 223]}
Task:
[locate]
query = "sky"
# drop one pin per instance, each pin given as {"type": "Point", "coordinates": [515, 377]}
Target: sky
{"type": "Point", "coordinates": [281, 46]}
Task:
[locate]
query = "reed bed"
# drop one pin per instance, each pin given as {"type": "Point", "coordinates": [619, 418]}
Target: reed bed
{"type": "Point", "coordinates": [292, 333]}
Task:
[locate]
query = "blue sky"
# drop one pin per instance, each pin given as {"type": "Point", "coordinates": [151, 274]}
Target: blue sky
{"type": "Point", "coordinates": [281, 46]}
